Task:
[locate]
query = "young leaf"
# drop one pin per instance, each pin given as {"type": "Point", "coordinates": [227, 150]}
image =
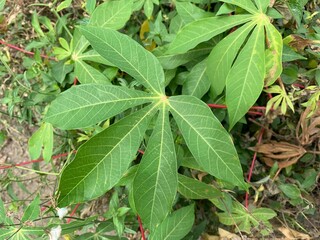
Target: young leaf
{"type": "Point", "coordinates": [244, 4]}
{"type": "Point", "coordinates": [148, 8]}
{"type": "Point", "coordinates": [193, 189]}
{"type": "Point", "coordinates": [63, 5]}
{"type": "Point", "coordinates": [244, 218]}
{"type": "Point", "coordinates": [127, 55]}
{"type": "Point", "coordinates": [42, 140]}
{"type": "Point", "coordinates": [33, 210]}
{"type": "Point", "coordinates": [245, 79]}
{"type": "Point", "coordinates": [112, 14]}
{"type": "Point", "coordinates": [289, 55]}
{"type": "Point", "coordinates": [176, 225]}
{"type": "Point", "coordinates": [155, 183]}
{"type": "Point", "coordinates": [102, 161]}
{"type": "Point", "coordinates": [2, 3]}
{"type": "Point", "coordinates": [197, 82]}
{"type": "Point", "coordinates": [3, 216]}
{"type": "Point", "coordinates": [206, 138]}
{"type": "Point", "coordinates": [222, 56]}
{"type": "Point", "coordinates": [273, 54]}
{"type": "Point", "coordinates": [85, 105]}
{"type": "Point", "coordinates": [202, 30]}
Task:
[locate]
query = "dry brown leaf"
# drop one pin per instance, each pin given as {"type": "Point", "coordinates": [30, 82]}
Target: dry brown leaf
{"type": "Point", "coordinates": [228, 235]}
{"type": "Point", "coordinates": [299, 43]}
{"type": "Point", "coordinates": [281, 164]}
{"type": "Point", "coordinates": [308, 128]}
{"type": "Point", "coordinates": [206, 236]}
{"type": "Point", "coordinates": [293, 234]}
{"type": "Point", "coordinates": [279, 150]}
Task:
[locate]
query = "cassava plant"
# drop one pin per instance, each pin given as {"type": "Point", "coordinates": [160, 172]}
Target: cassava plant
{"type": "Point", "coordinates": [242, 63]}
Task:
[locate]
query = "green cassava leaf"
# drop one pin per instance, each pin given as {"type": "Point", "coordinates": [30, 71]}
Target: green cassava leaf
{"type": "Point", "coordinates": [2, 3]}
{"type": "Point", "coordinates": [202, 30]}
{"type": "Point", "coordinates": [3, 216]}
{"type": "Point", "coordinates": [85, 105]}
{"type": "Point", "coordinates": [155, 183]}
{"type": "Point", "coordinates": [172, 61]}
{"type": "Point", "coordinates": [244, 4]}
{"type": "Point", "coordinates": [64, 4]}
{"type": "Point", "coordinates": [289, 55]}
{"type": "Point", "coordinates": [222, 56]}
{"type": "Point", "coordinates": [262, 5]}
{"type": "Point", "coordinates": [206, 138]}
{"type": "Point", "coordinates": [176, 225]}
{"type": "Point", "coordinates": [273, 54]}
{"type": "Point", "coordinates": [85, 72]}
{"type": "Point", "coordinates": [41, 140]}
{"type": "Point", "coordinates": [32, 212]}
{"type": "Point", "coordinates": [88, 74]}
{"type": "Point", "coordinates": [112, 14]}
{"type": "Point", "coordinates": [102, 161]}
{"type": "Point", "coordinates": [245, 79]}
{"type": "Point", "coordinates": [290, 190]}
{"type": "Point", "coordinates": [246, 219]}
{"type": "Point", "coordinates": [197, 82]}
{"type": "Point", "coordinates": [148, 8]}
{"type": "Point", "coordinates": [18, 233]}
{"type": "Point", "coordinates": [127, 55]}
{"type": "Point", "coordinates": [189, 12]}
{"type": "Point", "coordinates": [90, 6]}
{"type": "Point", "coordinates": [194, 189]}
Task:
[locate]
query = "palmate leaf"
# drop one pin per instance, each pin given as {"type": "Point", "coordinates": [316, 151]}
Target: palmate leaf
{"type": "Point", "coordinates": [206, 138]}
{"type": "Point", "coordinates": [222, 56]}
{"type": "Point", "coordinates": [246, 219]}
{"type": "Point", "coordinates": [86, 73]}
{"type": "Point", "coordinates": [102, 161]}
{"type": "Point", "coordinates": [85, 105]}
{"type": "Point", "coordinates": [127, 55]}
{"type": "Point", "coordinates": [155, 184]}
{"type": "Point", "coordinates": [202, 30]}
{"type": "Point", "coordinates": [245, 79]}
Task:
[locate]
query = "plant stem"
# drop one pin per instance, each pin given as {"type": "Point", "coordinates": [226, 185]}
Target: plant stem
{"type": "Point", "coordinates": [25, 51]}
{"type": "Point", "coordinates": [63, 24]}
{"type": "Point", "coordinates": [252, 166]}
{"type": "Point", "coordinates": [73, 212]}
{"type": "Point", "coordinates": [37, 171]}
{"type": "Point", "coordinates": [141, 228]}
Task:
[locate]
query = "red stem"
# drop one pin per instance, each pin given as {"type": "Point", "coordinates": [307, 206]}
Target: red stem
{"type": "Point", "coordinates": [141, 229]}
{"type": "Point", "coordinates": [252, 165]}
{"type": "Point", "coordinates": [25, 51]}
{"type": "Point", "coordinates": [255, 113]}
{"type": "Point", "coordinates": [75, 81]}
{"type": "Point", "coordinates": [37, 160]}
{"type": "Point", "coordinates": [298, 85]}
{"type": "Point", "coordinates": [73, 212]}
{"type": "Point", "coordinates": [222, 106]}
